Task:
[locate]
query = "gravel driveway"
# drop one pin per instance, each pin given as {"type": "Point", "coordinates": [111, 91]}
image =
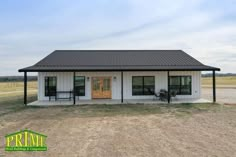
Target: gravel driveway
{"type": "Point", "coordinates": [223, 95]}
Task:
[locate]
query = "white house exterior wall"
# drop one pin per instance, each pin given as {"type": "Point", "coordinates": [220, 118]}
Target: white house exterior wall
{"type": "Point", "coordinates": [160, 83]}
{"type": "Point", "coordinates": [65, 83]}
{"type": "Point", "coordinates": [196, 83]}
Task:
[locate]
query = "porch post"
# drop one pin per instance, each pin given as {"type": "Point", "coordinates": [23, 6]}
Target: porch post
{"type": "Point", "coordinates": [214, 85]}
{"type": "Point", "coordinates": [168, 75]}
{"type": "Point", "coordinates": [25, 88]}
{"type": "Point", "coordinates": [74, 88]}
{"type": "Point", "coordinates": [122, 97]}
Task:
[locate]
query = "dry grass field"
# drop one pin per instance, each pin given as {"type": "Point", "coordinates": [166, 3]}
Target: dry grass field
{"type": "Point", "coordinates": [16, 86]}
{"type": "Point", "coordinates": [220, 81]}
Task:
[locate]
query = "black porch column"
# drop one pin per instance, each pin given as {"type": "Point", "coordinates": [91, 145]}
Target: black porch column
{"type": "Point", "coordinates": [74, 88]}
{"type": "Point", "coordinates": [122, 97]}
{"type": "Point", "coordinates": [168, 75]}
{"type": "Point", "coordinates": [214, 85]}
{"type": "Point", "coordinates": [25, 88]}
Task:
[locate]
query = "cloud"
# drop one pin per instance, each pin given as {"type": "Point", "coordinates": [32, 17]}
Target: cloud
{"type": "Point", "coordinates": [204, 29]}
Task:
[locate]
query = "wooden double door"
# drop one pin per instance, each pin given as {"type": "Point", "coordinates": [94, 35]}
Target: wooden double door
{"type": "Point", "coordinates": [101, 87]}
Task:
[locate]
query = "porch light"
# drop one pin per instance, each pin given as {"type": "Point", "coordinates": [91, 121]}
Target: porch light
{"type": "Point", "coordinates": [87, 78]}
{"type": "Point", "coordinates": [114, 77]}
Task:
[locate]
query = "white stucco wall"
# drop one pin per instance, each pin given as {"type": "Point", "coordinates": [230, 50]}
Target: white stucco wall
{"type": "Point", "coordinates": [65, 83]}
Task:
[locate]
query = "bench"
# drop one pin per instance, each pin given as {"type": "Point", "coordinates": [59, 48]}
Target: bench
{"type": "Point", "coordinates": [67, 95]}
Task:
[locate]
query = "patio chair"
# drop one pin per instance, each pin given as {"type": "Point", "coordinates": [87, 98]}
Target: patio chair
{"type": "Point", "coordinates": [173, 94]}
{"type": "Point", "coordinates": [153, 93]}
{"type": "Point", "coordinates": [163, 95]}
{"type": "Point", "coordinates": [156, 96]}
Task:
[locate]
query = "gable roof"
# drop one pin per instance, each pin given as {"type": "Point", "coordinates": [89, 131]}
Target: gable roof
{"type": "Point", "coordinates": [91, 60]}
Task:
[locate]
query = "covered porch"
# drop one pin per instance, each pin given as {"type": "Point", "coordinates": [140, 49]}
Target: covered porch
{"type": "Point", "coordinates": [75, 100]}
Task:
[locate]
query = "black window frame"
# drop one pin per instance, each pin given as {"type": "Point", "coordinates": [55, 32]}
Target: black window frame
{"type": "Point", "coordinates": [143, 92]}
{"type": "Point", "coordinates": [180, 91]}
{"type": "Point", "coordinates": [78, 92]}
{"type": "Point", "coordinates": [47, 91]}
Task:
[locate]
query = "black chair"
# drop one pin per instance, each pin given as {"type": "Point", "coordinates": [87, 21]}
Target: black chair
{"type": "Point", "coordinates": [76, 93]}
{"type": "Point", "coordinates": [156, 95]}
{"type": "Point", "coordinates": [52, 93]}
{"type": "Point", "coordinates": [163, 95]}
{"type": "Point", "coordinates": [173, 94]}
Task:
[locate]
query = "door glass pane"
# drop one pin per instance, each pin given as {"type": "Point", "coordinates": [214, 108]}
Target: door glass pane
{"type": "Point", "coordinates": [96, 84]}
{"type": "Point", "coordinates": [106, 84]}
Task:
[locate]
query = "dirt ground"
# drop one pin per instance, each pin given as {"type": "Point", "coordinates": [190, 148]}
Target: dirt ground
{"type": "Point", "coordinates": [208, 133]}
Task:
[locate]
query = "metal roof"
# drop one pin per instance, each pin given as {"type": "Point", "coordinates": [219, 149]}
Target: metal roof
{"type": "Point", "coordinates": [117, 60]}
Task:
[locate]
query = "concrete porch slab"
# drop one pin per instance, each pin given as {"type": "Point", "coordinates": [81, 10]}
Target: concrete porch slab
{"type": "Point", "coordinates": [108, 101]}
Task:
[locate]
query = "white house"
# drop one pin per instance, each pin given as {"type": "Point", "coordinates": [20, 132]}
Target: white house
{"type": "Point", "coordinates": [123, 75]}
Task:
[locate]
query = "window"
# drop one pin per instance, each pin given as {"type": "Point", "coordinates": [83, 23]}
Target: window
{"type": "Point", "coordinates": [79, 85]}
{"type": "Point", "coordinates": [106, 84]}
{"type": "Point", "coordinates": [143, 85]}
{"type": "Point", "coordinates": [96, 84]}
{"type": "Point", "coordinates": [50, 86]}
{"type": "Point", "coordinates": [181, 84]}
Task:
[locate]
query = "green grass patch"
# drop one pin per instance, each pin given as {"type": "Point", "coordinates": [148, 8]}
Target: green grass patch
{"type": "Point", "coordinates": [14, 104]}
{"type": "Point", "coordinates": [138, 109]}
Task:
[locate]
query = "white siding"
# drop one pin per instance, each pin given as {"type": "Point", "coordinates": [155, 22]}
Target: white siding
{"type": "Point", "coordinates": [116, 83]}
{"type": "Point", "coordinates": [160, 83]}
{"type": "Point", "coordinates": [65, 83]}
{"type": "Point", "coordinates": [196, 82]}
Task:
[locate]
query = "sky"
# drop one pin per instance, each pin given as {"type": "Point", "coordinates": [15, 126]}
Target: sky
{"type": "Point", "coordinates": [30, 30]}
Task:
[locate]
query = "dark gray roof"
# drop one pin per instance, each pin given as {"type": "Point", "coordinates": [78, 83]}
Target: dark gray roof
{"type": "Point", "coordinates": [89, 60]}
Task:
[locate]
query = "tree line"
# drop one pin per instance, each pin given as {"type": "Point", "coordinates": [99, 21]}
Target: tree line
{"type": "Point", "coordinates": [219, 74]}
{"type": "Point", "coordinates": [16, 78]}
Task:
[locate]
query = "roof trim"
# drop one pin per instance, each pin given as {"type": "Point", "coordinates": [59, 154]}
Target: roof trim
{"type": "Point", "coordinates": [35, 69]}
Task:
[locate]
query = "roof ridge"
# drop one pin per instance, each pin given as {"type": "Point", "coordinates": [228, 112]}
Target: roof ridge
{"type": "Point", "coordinates": [122, 50]}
